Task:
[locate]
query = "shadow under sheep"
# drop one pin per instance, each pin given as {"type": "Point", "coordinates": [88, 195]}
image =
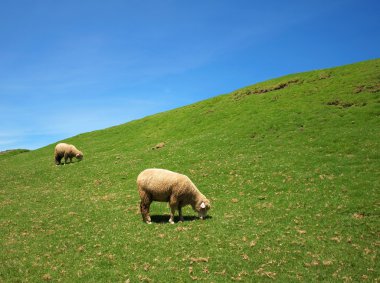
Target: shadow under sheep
{"type": "Point", "coordinates": [163, 219]}
{"type": "Point", "coordinates": [68, 162]}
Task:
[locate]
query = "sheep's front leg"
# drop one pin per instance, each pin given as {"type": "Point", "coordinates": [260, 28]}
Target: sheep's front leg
{"type": "Point", "coordinates": [66, 156]}
{"type": "Point", "coordinates": [172, 212]}
{"type": "Point", "coordinates": [58, 160]}
{"type": "Point", "coordinates": [174, 204]}
{"type": "Point", "coordinates": [144, 208]}
{"type": "Point", "coordinates": [146, 200]}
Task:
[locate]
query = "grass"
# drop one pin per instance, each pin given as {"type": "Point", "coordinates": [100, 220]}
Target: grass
{"type": "Point", "coordinates": [12, 152]}
{"type": "Point", "coordinates": [291, 166]}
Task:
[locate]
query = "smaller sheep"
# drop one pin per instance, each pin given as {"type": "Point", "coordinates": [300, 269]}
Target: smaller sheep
{"type": "Point", "coordinates": [67, 151]}
{"type": "Point", "coordinates": [167, 186]}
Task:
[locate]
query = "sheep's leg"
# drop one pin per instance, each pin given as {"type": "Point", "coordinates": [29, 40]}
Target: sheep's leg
{"type": "Point", "coordinates": [172, 212]}
{"type": "Point", "coordinates": [66, 157]}
{"type": "Point", "coordinates": [180, 213]}
{"type": "Point", "coordinates": [58, 160]}
{"type": "Point", "coordinates": [144, 207]}
{"type": "Point", "coordinates": [173, 206]}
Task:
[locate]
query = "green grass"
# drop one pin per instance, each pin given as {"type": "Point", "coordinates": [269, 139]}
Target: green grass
{"type": "Point", "coordinates": [12, 152]}
{"type": "Point", "coordinates": [291, 165]}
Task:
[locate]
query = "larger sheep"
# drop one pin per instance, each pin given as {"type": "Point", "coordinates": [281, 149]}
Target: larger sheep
{"type": "Point", "coordinates": [167, 186]}
{"type": "Point", "coordinates": [66, 151]}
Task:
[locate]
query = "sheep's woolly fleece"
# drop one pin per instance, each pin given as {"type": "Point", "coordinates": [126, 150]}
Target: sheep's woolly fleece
{"type": "Point", "coordinates": [167, 186]}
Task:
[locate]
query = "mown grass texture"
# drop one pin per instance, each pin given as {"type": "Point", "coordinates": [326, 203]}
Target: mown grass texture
{"type": "Point", "coordinates": [290, 165]}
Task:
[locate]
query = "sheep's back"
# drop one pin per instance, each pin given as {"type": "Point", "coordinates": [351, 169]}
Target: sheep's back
{"type": "Point", "coordinates": [161, 183]}
{"type": "Point", "coordinates": [62, 148]}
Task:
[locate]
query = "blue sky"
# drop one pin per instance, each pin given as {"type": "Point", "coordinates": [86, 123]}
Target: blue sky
{"type": "Point", "coordinates": [68, 67]}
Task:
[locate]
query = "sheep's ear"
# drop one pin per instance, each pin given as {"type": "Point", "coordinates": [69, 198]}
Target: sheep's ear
{"type": "Point", "coordinates": [203, 205]}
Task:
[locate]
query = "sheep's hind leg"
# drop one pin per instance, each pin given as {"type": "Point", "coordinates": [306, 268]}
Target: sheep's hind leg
{"type": "Point", "coordinates": [180, 213]}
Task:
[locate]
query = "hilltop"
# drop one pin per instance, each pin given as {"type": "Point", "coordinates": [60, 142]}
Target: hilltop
{"type": "Point", "coordinates": [10, 152]}
{"type": "Point", "coordinates": [291, 166]}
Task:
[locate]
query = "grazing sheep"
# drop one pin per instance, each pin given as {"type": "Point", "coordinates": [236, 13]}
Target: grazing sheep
{"type": "Point", "coordinates": [67, 151]}
{"type": "Point", "coordinates": [167, 186]}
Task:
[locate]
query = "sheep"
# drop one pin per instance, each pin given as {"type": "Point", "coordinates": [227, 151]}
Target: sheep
{"type": "Point", "coordinates": [167, 186]}
{"type": "Point", "coordinates": [67, 151]}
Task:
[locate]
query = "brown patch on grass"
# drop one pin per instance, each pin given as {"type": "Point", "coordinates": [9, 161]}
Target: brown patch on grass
{"type": "Point", "coordinates": [222, 273]}
{"type": "Point", "coordinates": [313, 263]}
{"type": "Point", "coordinates": [301, 232]}
{"type": "Point", "coordinates": [198, 259]}
{"type": "Point", "coordinates": [46, 277]}
{"type": "Point", "coordinates": [242, 93]}
{"type": "Point", "coordinates": [264, 205]}
{"type": "Point", "coordinates": [358, 215]}
{"type": "Point", "coordinates": [159, 145]}
{"type": "Point", "coordinates": [146, 266]}
{"type": "Point", "coordinates": [341, 104]}
{"type": "Point", "coordinates": [369, 88]}
{"type": "Point", "coordinates": [240, 275]}
{"type": "Point", "coordinates": [253, 243]}
{"type": "Point", "coordinates": [327, 262]}
{"type": "Point", "coordinates": [81, 249]}
{"type": "Point", "coordinates": [144, 278]}
{"type": "Point", "coordinates": [110, 257]}
{"type": "Point", "coordinates": [6, 202]}
{"type": "Point", "coordinates": [205, 270]}
{"type": "Point", "coordinates": [181, 229]}
{"type": "Point", "coordinates": [336, 239]}
{"type": "Point", "coordinates": [324, 75]}
{"type": "Point", "coordinates": [262, 272]}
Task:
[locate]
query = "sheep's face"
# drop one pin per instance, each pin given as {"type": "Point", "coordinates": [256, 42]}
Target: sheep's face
{"type": "Point", "coordinates": [202, 208]}
{"type": "Point", "coordinates": [79, 156]}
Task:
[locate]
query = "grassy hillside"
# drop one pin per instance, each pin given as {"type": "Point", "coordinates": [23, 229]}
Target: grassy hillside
{"type": "Point", "coordinates": [291, 165]}
{"type": "Point", "coordinates": [12, 152]}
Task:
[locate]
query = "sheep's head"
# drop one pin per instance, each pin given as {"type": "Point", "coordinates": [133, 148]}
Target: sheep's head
{"type": "Point", "coordinates": [79, 156]}
{"type": "Point", "coordinates": [202, 208]}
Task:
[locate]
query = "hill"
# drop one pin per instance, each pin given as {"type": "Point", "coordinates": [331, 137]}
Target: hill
{"type": "Point", "coordinates": [11, 152]}
{"type": "Point", "coordinates": [291, 166]}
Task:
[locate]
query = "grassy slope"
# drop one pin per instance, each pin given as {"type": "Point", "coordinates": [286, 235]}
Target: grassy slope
{"type": "Point", "coordinates": [291, 166]}
{"type": "Point", "coordinates": [8, 153]}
